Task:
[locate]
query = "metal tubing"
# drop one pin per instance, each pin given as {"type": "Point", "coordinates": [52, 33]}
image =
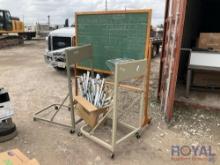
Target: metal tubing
{"type": "Point", "coordinates": [49, 121]}
{"type": "Point", "coordinates": [49, 108]}
{"type": "Point", "coordinates": [96, 139]}
{"type": "Point", "coordinates": [44, 109]}
{"type": "Point", "coordinates": [79, 120]}
{"type": "Point", "coordinates": [100, 121]}
{"type": "Point", "coordinates": [126, 125]}
{"type": "Point", "coordinates": [141, 113]}
{"type": "Point", "coordinates": [60, 106]}
{"type": "Point", "coordinates": [71, 95]}
{"type": "Point", "coordinates": [114, 116]}
{"type": "Point", "coordinates": [127, 136]}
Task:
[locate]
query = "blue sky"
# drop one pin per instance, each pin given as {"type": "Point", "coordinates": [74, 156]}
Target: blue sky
{"type": "Point", "coordinates": [37, 10]}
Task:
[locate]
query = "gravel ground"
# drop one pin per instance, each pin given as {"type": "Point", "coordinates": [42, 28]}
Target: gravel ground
{"type": "Point", "coordinates": [33, 85]}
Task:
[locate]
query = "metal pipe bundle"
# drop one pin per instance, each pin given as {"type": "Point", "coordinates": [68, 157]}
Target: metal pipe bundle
{"type": "Point", "coordinates": [93, 89]}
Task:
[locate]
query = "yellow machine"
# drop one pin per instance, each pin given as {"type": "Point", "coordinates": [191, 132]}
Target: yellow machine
{"type": "Point", "coordinates": [12, 31]}
{"type": "Point", "coordinates": [10, 24]}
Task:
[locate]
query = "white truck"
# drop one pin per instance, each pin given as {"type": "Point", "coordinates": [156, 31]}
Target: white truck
{"type": "Point", "coordinates": [57, 40]}
{"type": "Point", "coordinates": [29, 32]}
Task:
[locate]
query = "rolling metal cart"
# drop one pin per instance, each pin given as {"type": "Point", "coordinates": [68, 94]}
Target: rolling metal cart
{"type": "Point", "coordinates": [123, 70]}
{"type": "Point", "coordinates": [74, 56]}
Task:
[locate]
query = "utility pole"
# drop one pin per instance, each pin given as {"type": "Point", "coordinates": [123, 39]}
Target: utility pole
{"type": "Point", "coordinates": [48, 20]}
{"type": "Point", "coordinates": [106, 5]}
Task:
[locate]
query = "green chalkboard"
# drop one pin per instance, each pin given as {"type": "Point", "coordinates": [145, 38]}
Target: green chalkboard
{"type": "Point", "coordinates": [113, 35]}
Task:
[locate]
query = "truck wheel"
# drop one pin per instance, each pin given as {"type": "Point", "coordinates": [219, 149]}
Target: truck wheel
{"type": "Point", "coordinates": [7, 131]}
{"type": "Point", "coordinates": [29, 38]}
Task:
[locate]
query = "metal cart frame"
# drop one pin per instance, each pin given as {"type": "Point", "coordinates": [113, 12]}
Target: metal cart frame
{"type": "Point", "coordinates": [123, 71]}
{"type": "Point", "coordinates": [74, 56]}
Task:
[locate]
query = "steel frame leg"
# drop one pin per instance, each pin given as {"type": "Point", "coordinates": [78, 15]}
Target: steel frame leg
{"type": "Point", "coordinates": [188, 82]}
{"type": "Point", "coordinates": [51, 120]}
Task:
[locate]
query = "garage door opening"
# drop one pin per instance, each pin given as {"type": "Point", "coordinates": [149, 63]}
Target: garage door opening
{"type": "Point", "coordinates": [199, 66]}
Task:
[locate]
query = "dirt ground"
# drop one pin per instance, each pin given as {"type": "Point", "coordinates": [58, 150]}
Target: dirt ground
{"type": "Point", "coordinates": [33, 85]}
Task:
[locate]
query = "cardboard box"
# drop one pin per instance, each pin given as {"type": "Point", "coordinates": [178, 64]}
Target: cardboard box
{"type": "Point", "coordinates": [16, 157]}
{"type": "Point", "coordinates": [209, 41]}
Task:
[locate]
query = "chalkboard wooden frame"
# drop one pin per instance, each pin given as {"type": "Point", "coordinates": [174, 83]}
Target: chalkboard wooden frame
{"type": "Point", "coordinates": [147, 38]}
{"type": "Point", "coordinates": [146, 119]}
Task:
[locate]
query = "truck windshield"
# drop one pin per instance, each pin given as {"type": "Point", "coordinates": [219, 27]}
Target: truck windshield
{"type": "Point", "coordinates": [61, 42]}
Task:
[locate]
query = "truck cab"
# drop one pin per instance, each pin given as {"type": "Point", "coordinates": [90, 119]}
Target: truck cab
{"type": "Point", "coordinates": [9, 24]}
{"type": "Point", "coordinates": [57, 41]}
{"type": "Point", "coordinates": [5, 21]}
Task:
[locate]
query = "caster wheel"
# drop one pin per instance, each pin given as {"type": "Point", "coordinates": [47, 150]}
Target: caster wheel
{"type": "Point", "coordinates": [79, 134]}
{"type": "Point", "coordinates": [112, 156]}
{"type": "Point", "coordinates": [69, 109]}
{"type": "Point", "coordinates": [56, 107]}
{"type": "Point", "coordinates": [34, 119]}
{"type": "Point", "coordinates": [72, 131]}
{"type": "Point", "coordinates": [138, 136]}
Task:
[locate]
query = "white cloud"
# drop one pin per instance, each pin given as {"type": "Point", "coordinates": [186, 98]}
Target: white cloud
{"type": "Point", "coordinates": [37, 10]}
